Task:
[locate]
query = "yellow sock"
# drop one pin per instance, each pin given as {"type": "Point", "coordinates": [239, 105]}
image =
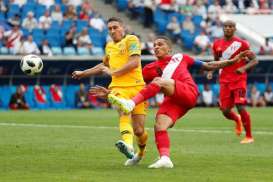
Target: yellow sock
{"type": "Point", "coordinates": [126, 129]}
{"type": "Point", "coordinates": [141, 142]}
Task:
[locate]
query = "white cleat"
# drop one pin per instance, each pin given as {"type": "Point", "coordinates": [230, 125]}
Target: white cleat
{"type": "Point", "coordinates": [126, 149]}
{"type": "Point", "coordinates": [124, 105]}
{"type": "Point", "coordinates": [163, 162]}
{"type": "Point", "coordinates": [134, 161]}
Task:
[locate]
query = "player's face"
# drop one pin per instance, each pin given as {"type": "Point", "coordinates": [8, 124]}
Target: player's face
{"type": "Point", "coordinates": [161, 48]}
{"type": "Point", "coordinates": [229, 29]}
{"type": "Point", "coordinates": [116, 30]}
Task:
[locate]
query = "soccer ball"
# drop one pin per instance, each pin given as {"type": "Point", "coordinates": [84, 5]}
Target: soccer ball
{"type": "Point", "coordinates": [31, 64]}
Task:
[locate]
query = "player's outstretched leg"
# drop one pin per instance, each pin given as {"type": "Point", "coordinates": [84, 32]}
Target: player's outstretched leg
{"type": "Point", "coordinates": [128, 105]}
{"type": "Point", "coordinates": [126, 149]}
{"type": "Point", "coordinates": [124, 105]}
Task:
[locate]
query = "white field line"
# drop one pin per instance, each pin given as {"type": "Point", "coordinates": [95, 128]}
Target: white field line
{"type": "Point", "coordinates": [115, 128]}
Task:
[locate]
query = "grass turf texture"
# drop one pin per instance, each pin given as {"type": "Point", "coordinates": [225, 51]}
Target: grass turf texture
{"type": "Point", "coordinates": [78, 146]}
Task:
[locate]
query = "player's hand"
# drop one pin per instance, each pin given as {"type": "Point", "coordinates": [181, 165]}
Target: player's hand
{"type": "Point", "coordinates": [240, 71]}
{"type": "Point", "coordinates": [99, 91]}
{"type": "Point", "coordinates": [209, 75]}
{"type": "Point", "coordinates": [77, 75]}
{"type": "Point", "coordinates": [244, 55]}
{"type": "Point", "coordinates": [106, 70]}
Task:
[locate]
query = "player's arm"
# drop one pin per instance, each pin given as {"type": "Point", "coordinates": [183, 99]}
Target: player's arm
{"type": "Point", "coordinates": [252, 61]}
{"type": "Point", "coordinates": [216, 55]}
{"type": "Point", "coordinates": [210, 73]}
{"type": "Point", "coordinates": [98, 69]}
{"type": "Point", "coordinates": [214, 65]}
{"type": "Point", "coordinates": [133, 63]}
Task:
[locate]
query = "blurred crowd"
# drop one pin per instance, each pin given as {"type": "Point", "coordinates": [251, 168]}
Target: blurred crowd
{"type": "Point", "coordinates": [36, 26]}
{"type": "Point", "coordinates": [198, 19]}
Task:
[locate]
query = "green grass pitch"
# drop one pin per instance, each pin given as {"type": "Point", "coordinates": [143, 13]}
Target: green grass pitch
{"type": "Point", "coordinates": [78, 146]}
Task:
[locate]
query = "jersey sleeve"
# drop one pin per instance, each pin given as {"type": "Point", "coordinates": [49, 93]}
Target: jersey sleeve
{"type": "Point", "coordinates": [133, 45]}
{"type": "Point", "coordinates": [245, 45]}
{"type": "Point", "coordinates": [217, 53]}
{"type": "Point", "coordinates": [150, 71]}
{"type": "Point", "coordinates": [193, 63]}
{"type": "Point", "coordinates": [189, 60]}
{"type": "Point", "coordinates": [106, 56]}
{"type": "Point", "coordinates": [214, 49]}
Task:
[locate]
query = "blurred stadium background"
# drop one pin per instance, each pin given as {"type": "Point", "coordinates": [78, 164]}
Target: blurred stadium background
{"type": "Point", "coordinates": [71, 35]}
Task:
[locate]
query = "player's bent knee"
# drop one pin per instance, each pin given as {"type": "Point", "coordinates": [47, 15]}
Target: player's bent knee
{"type": "Point", "coordinates": [159, 127]}
{"type": "Point", "coordinates": [240, 107]}
{"type": "Point", "coordinates": [138, 131]}
{"type": "Point", "coordinates": [225, 111]}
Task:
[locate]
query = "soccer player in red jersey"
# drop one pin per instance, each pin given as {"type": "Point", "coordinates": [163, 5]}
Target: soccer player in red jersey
{"type": "Point", "coordinates": [233, 79]}
{"type": "Point", "coordinates": [170, 75]}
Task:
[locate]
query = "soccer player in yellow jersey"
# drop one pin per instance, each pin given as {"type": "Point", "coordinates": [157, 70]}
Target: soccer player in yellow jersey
{"type": "Point", "coordinates": [123, 62]}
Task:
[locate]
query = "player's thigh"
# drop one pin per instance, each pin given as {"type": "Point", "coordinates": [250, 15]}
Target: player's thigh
{"type": "Point", "coordinates": [128, 93]}
{"type": "Point", "coordinates": [173, 110]}
{"type": "Point", "coordinates": [122, 92]}
{"type": "Point", "coordinates": [226, 99]}
{"type": "Point", "coordinates": [185, 94]}
{"type": "Point", "coordinates": [240, 96]}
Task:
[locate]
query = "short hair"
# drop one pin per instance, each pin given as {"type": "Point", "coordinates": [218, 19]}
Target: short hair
{"type": "Point", "coordinates": [166, 39]}
{"type": "Point", "coordinates": [229, 22]}
{"type": "Point", "coordinates": [114, 19]}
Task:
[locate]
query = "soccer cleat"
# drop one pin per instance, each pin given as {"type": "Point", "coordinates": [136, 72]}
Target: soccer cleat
{"type": "Point", "coordinates": [163, 162]}
{"type": "Point", "coordinates": [247, 140]}
{"type": "Point", "coordinates": [123, 104]}
{"type": "Point", "coordinates": [239, 126]}
{"type": "Point", "coordinates": [134, 161]}
{"type": "Point", "coordinates": [126, 149]}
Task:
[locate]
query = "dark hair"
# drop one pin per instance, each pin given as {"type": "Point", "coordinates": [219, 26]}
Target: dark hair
{"type": "Point", "coordinates": [230, 22]}
{"type": "Point", "coordinates": [166, 39]}
{"type": "Point", "coordinates": [114, 19]}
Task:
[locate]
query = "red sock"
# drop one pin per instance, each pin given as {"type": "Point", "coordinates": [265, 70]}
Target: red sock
{"type": "Point", "coordinates": [147, 92]}
{"type": "Point", "coordinates": [232, 116]}
{"type": "Point", "coordinates": [246, 122]}
{"type": "Point", "coordinates": [162, 142]}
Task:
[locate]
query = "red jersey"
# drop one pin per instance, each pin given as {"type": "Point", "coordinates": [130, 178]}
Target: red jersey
{"type": "Point", "coordinates": [227, 49]}
{"type": "Point", "coordinates": [175, 67]}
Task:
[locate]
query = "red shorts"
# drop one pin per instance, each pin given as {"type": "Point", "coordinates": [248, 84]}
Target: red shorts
{"type": "Point", "coordinates": [232, 93]}
{"type": "Point", "coordinates": [184, 98]}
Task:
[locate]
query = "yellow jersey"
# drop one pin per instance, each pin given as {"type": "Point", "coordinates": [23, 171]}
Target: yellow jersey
{"type": "Point", "coordinates": [117, 55]}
